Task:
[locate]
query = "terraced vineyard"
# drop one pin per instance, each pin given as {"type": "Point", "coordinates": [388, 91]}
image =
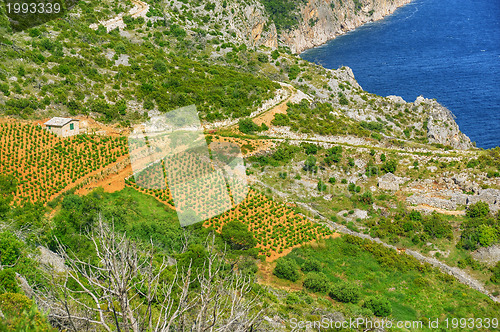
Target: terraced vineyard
{"type": "Point", "coordinates": [275, 226]}
{"type": "Point", "coordinates": [44, 164]}
{"type": "Point", "coordinates": [154, 175]}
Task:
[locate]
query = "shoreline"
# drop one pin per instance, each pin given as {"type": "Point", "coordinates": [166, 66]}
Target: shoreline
{"type": "Point", "coordinates": [327, 31]}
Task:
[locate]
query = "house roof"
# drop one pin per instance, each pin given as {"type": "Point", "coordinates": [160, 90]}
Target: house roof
{"type": "Point", "coordinates": [59, 122]}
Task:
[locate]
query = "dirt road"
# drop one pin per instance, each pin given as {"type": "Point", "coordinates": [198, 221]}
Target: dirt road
{"type": "Point", "coordinates": [140, 9]}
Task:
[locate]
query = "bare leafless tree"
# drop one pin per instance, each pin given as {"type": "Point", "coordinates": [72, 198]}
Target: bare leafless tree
{"type": "Point", "coordinates": [125, 290]}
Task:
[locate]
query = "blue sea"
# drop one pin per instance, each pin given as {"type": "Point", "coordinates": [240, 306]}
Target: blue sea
{"type": "Point", "coordinates": [443, 49]}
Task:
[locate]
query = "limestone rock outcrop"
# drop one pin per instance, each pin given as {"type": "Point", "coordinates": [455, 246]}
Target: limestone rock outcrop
{"type": "Point", "coordinates": [454, 200]}
{"type": "Point", "coordinates": [322, 20]}
{"type": "Point", "coordinates": [489, 255]}
{"type": "Point", "coordinates": [51, 259]}
{"type": "Point", "coordinates": [254, 25]}
{"type": "Point", "coordinates": [441, 126]}
{"type": "Point", "coordinates": [389, 181]}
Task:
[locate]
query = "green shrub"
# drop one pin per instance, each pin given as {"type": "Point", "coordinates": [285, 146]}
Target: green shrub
{"type": "Point", "coordinates": [275, 54]}
{"type": "Point", "coordinates": [237, 235]}
{"type": "Point", "coordinates": [437, 227]}
{"type": "Point", "coordinates": [263, 58]}
{"type": "Point", "coordinates": [390, 166]}
{"type": "Point", "coordinates": [473, 163]}
{"type": "Point", "coordinates": [380, 307]}
{"type": "Point", "coordinates": [21, 314]}
{"type": "Point", "coordinates": [160, 66]}
{"type": "Point", "coordinates": [286, 269]}
{"type": "Point", "coordinates": [293, 72]}
{"type": "Point", "coordinates": [282, 12]}
{"type": "Point", "coordinates": [8, 281]}
{"type": "Point", "coordinates": [310, 164]}
{"type": "Point", "coordinates": [333, 155]}
{"type": "Point", "coordinates": [316, 282]}
{"type": "Point", "coordinates": [487, 235]}
{"type": "Point", "coordinates": [248, 266]}
{"type": "Point", "coordinates": [353, 188]}
{"type": "Point", "coordinates": [345, 292]}
{"type": "Point", "coordinates": [10, 248]}
{"type": "Point", "coordinates": [342, 99]}
{"type": "Point", "coordinates": [247, 126]}
{"type": "Point", "coordinates": [4, 87]}
{"type": "Point", "coordinates": [292, 299]}
{"type": "Point", "coordinates": [495, 278]}
{"type": "Point", "coordinates": [366, 198]}
{"type": "Point", "coordinates": [478, 210]}
{"type": "Point", "coordinates": [311, 265]}
{"type": "Point", "coordinates": [310, 148]}
{"type": "Point", "coordinates": [281, 120]}
{"type": "Point", "coordinates": [415, 216]}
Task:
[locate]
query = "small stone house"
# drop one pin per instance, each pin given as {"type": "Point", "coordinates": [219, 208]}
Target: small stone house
{"type": "Point", "coordinates": [389, 182]}
{"type": "Point", "coordinates": [63, 127]}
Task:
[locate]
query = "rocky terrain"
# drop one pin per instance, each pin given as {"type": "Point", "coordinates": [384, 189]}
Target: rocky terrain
{"type": "Point", "coordinates": [398, 174]}
{"type": "Point", "coordinates": [318, 20]}
{"type": "Point", "coordinates": [324, 20]}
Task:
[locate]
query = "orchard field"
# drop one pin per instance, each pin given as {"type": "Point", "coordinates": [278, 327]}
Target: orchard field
{"type": "Point", "coordinates": [276, 227]}
{"type": "Point", "coordinates": [44, 164]}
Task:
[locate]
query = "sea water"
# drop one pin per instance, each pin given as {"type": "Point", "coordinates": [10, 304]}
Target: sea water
{"type": "Point", "coordinates": [443, 49]}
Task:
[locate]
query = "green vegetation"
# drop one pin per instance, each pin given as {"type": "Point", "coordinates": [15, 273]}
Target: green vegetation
{"type": "Point", "coordinates": [247, 126]}
{"type": "Point", "coordinates": [333, 155]}
{"type": "Point", "coordinates": [345, 292]}
{"type": "Point", "coordinates": [379, 306]}
{"type": "Point", "coordinates": [481, 229]}
{"type": "Point", "coordinates": [316, 282]}
{"type": "Point", "coordinates": [237, 235]}
{"type": "Point", "coordinates": [376, 278]}
{"type": "Point", "coordinates": [283, 154]}
{"type": "Point", "coordinates": [283, 12]}
{"type": "Point", "coordinates": [155, 78]}
{"type": "Point", "coordinates": [286, 269]}
{"type": "Point", "coordinates": [65, 68]}
{"type": "Point", "coordinates": [303, 118]}
{"type": "Point", "coordinates": [20, 314]}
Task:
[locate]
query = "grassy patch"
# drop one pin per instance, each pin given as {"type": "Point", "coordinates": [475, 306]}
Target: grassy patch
{"type": "Point", "coordinates": [415, 291]}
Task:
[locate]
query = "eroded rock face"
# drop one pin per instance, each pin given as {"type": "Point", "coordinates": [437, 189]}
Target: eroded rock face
{"type": "Point", "coordinates": [436, 202]}
{"type": "Point", "coordinates": [441, 126]}
{"type": "Point", "coordinates": [490, 196]}
{"type": "Point", "coordinates": [489, 255]}
{"type": "Point", "coordinates": [256, 27]}
{"type": "Point", "coordinates": [320, 21]}
{"type": "Point", "coordinates": [451, 201]}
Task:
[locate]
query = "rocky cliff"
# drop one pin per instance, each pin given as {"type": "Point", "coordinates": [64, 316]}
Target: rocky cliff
{"type": "Point", "coordinates": [319, 21]}
{"type": "Point", "coordinates": [322, 20]}
{"type": "Point", "coordinates": [441, 126]}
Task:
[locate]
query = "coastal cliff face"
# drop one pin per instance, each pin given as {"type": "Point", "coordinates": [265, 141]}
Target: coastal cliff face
{"type": "Point", "coordinates": [252, 24]}
{"type": "Point", "coordinates": [319, 21]}
{"type": "Point", "coordinates": [322, 20]}
{"type": "Point", "coordinates": [441, 126]}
